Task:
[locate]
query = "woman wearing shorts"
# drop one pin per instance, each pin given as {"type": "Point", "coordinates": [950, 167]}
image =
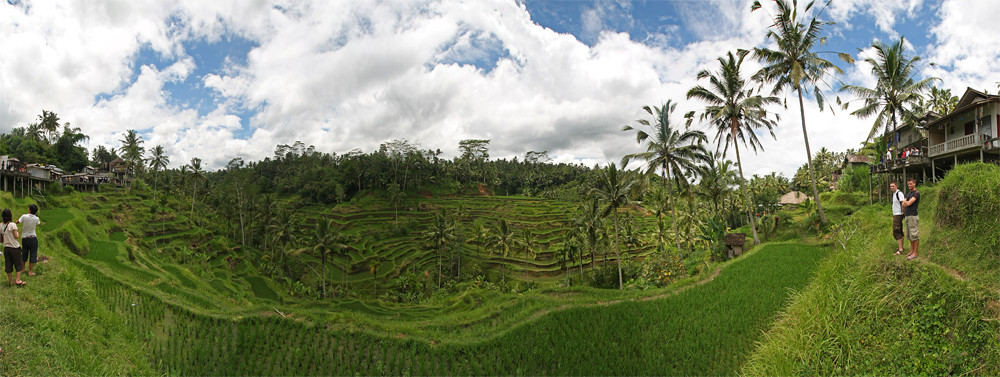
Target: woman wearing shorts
{"type": "Point", "coordinates": [11, 249]}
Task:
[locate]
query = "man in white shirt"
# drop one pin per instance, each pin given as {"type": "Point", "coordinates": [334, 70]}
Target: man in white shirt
{"type": "Point", "coordinates": [897, 215]}
{"type": "Point", "coordinates": [29, 240]}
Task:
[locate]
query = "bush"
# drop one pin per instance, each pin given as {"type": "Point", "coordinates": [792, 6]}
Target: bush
{"type": "Point", "coordinates": [606, 275]}
{"type": "Point", "coordinates": [660, 269]}
{"type": "Point", "coordinates": [854, 180]}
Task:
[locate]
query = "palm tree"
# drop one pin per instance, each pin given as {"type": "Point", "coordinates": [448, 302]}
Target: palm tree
{"type": "Point", "coordinates": [568, 252]}
{"type": "Point", "coordinates": [896, 90]}
{"type": "Point", "coordinates": [326, 239]}
{"type": "Point", "coordinates": [736, 112]}
{"type": "Point", "coordinates": [590, 224]}
{"type": "Point", "coordinates": [794, 64]}
{"type": "Point", "coordinates": [502, 240]}
{"type": "Point", "coordinates": [195, 174]}
{"type": "Point", "coordinates": [942, 101]}
{"type": "Point", "coordinates": [158, 159]}
{"type": "Point", "coordinates": [395, 198]}
{"type": "Point", "coordinates": [667, 149]}
{"type": "Point", "coordinates": [48, 123]}
{"type": "Point", "coordinates": [440, 235]}
{"type": "Point", "coordinates": [716, 178]}
{"type": "Point", "coordinates": [615, 188]}
{"type": "Point", "coordinates": [132, 152]}
{"type": "Point", "coordinates": [283, 234]}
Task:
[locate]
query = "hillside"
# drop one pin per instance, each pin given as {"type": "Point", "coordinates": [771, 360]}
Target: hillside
{"type": "Point", "coordinates": [870, 312]}
{"type": "Point", "coordinates": [128, 290]}
{"type": "Point", "coordinates": [166, 296]}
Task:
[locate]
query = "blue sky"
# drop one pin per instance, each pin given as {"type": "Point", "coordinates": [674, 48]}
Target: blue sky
{"type": "Point", "coordinates": [225, 79]}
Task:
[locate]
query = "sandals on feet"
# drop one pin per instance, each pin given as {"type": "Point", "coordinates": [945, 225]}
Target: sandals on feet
{"type": "Point", "coordinates": [899, 252]}
{"type": "Point", "coordinates": [21, 283]}
{"type": "Point", "coordinates": [911, 257]}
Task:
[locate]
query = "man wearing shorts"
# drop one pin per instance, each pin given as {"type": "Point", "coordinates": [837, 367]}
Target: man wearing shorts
{"type": "Point", "coordinates": [29, 241]}
{"type": "Point", "coordinates": [910, 205]}
{"type": "Point", "coordinates": [897, 216]}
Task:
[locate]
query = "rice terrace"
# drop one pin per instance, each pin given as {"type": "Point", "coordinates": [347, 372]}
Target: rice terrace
{"type": "Point", "coordinates": [332, 188]}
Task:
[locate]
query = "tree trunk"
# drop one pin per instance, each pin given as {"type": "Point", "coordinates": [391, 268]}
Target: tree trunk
{"type": "Point", "coordinates": [673, 209]}
{"type": "Point", "coordinates": [323, 268]}
{"type": "Point", "coordinates": [739, 163]}
{"type": "Point", "coordinates": [621, 286]}
{"type": "Point", "coordinates": [812, 177]}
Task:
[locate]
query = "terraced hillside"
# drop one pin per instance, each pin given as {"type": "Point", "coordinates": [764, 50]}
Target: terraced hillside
{"type": "Point", "coordinates": [177, 299]}
{"type": "Point", "coordinates": [377, 234]}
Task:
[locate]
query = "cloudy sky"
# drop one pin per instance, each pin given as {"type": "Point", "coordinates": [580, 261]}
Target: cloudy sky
{"type": "Point", "coordinates": [234, 78]}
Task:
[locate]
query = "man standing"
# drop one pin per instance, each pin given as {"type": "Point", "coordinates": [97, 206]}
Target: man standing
{"type": "Point", "coordinates": [912, 220]}
{"type": "Point", "coordinates": [897, 216]}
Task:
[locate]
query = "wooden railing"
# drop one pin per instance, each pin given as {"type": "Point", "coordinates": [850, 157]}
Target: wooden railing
{"type": "Point", "coordinates": [965, 142]}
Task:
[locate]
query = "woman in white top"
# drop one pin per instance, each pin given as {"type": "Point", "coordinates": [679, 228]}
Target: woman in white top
{"type": "Point", "coordinates": [29, 241]}
{"type": "Point", "coordinates": [11, 249]}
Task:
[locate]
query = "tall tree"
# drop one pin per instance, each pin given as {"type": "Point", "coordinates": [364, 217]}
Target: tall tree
{"type": "Point", "coordinates": [69, 155]}
{"type": "Point", "coordinates": [158, 160]}
{"type": "Point", "coordinates": [48, 123]}
{"type": "Point", "coordinates": [132, 151]}
{"type": "Point", "coordinates": [794, 64]}
{"type": "Point", "coordinates": [942, 101]}
{"type": "Point", "coordinates": [737, 112]}
{"type": "Point", "coordinates": [669, 149]}
{"type": "Point", "coordinates": [440, 235]}
{"type": "Point", "coordinates": [716, 179]}
{"type": "Point", "coordinates": [196, 175]}
{"type": "Point", "coordinates": [395, 195]}
{"type": "Point", "coordinates": [896, 88]}
{"type": "Point", "coordinates": [615, 189]}
{"type": "Point", "coordinates": [502, 240]}
{"type": "Point", "coordinates": [326, 239]}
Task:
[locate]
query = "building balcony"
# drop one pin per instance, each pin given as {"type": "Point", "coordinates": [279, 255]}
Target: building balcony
{"type": "Point", "coordinates": [968, 142]}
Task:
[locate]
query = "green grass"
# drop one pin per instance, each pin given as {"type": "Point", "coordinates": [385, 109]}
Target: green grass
{"type": "Point", "coordinates": [260, 288]}
{"type": "Point", "coordinates": [871, 313]}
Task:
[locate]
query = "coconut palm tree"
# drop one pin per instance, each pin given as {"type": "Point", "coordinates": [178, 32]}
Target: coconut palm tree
{"type": "Point", "coordinates": [440, 235]}
{"type": "Point", "coordinates": [716, 179]}
{"type": "Point", "coordinates": [737, 112]}
{"type": "Point", "coordinates": [896, 89]}
{"type": "Point", "coordinates": [590, 224]}
{"type": "Point", "coordinates": [794, 64]}
{"type": "Point", "coordinates": [395, 198]}
{"type": "Point", "coordinates": [615, 189]}
{"type": "Point", "coordinates": [131, 151]}
{"type": "Point", "coordinates": [195, 174]}
{"type": "Point", "coordinates": [668, 149]}
{"type": "Point", "coordinates": [941, 101]}
{"type": "Point", "coordinates": [326, 239]}
{"type": "Point", "coordinates": [158, 159]}
{"type": "Point", "coordinates": [502, 240]}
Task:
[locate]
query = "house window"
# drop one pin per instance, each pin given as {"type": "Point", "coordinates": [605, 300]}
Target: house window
{"type": "Point", "coordinates": [970, 128]}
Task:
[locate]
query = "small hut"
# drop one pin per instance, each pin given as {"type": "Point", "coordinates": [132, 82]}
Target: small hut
{"type": "Point", "coordinates": [793, 197]}
{"type": "Point", "coordinates": [735, 243]}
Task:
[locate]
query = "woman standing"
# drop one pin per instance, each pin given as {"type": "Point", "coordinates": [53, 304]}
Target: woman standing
{"type": "Point", "coordinates": [29, 241]}
{"type": "Point", "coordinates": [11, 249]}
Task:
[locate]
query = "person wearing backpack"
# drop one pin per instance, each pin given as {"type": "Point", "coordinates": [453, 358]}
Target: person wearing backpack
{"type": "Point", "coordinates": [11, 249]}
{"type": "Point", "coordinates": [29, 240]}
{"type": "Point", "coordinates": [897, 215]}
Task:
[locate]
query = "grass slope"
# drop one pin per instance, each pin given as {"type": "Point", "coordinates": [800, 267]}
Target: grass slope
{"type": "Point", "coordinates": [871, 313]}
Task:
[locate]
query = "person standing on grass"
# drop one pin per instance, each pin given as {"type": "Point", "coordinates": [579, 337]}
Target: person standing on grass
{"type": "Point", "coordinates": [29, 241]}
{"type": "Point", "coordinates": [910, 205]}
{"type": "Point", "coordinates": [897, 215]}
{"type": "Point", "coordinates": [11, 248]}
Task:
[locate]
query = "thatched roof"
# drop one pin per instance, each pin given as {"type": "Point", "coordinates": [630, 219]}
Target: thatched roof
{"type": "Point", "coordinates": [793, 197]}
{"type": "Point", "coordinates": [736, 239]}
